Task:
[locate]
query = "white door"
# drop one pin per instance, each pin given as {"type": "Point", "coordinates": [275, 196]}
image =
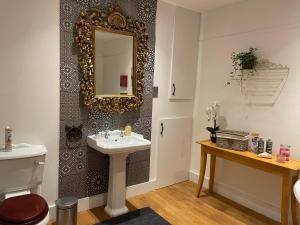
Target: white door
{"type": "Point", "coordinates": [185, 54]}
{"type": "Point", "coordinates": [174, 144]}
{"type": "Point", "coordinates": [170, 152]}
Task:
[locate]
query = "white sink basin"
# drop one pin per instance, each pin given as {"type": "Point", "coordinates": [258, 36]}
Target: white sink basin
{"type": "Point", "coordinates": [115, 144]}
{"type": "Point", "coordinates": [117, 147]}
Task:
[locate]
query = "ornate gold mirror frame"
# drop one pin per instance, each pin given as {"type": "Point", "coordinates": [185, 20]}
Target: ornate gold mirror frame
{"type": "Point", "coordinates": [111, 21]}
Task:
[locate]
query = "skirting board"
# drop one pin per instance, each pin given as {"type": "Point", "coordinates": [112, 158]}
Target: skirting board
{"type": "Point", "coordinates": [225, 190]}
{"type": "Point", "coordinates": [100, 200]}
{"type": "Point", "coordinates": [52, 212]}
{"type": "Point", "coordinates": [243, 198]}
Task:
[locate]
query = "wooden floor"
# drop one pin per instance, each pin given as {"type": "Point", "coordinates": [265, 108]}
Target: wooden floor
{"type": "Point", "coordinates": [178, 205]}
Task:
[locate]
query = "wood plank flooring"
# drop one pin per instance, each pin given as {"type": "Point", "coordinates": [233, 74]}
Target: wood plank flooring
{"type": "Point", "coordinates": [178, 205]}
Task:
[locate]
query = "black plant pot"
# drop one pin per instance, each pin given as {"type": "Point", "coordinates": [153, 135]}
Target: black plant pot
{"type": "Point", "coordinates": [213, 138]}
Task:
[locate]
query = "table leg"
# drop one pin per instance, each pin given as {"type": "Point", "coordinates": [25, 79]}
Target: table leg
{"type": "Point", "coordinates": [285, 199]}
{"type": "Point", "coordinates": [212, 173]}
{"type": "Point", "coordinates": [202, 171]}
{"type": "Point", "coordinates": [294, 201]}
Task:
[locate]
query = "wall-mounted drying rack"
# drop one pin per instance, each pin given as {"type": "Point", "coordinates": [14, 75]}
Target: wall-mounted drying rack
{"type": "Point", "coordinates": [263, 85]}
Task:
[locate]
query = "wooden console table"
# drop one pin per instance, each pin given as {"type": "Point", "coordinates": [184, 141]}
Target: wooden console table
{"type": "Point", "coordinates": [288, 171]}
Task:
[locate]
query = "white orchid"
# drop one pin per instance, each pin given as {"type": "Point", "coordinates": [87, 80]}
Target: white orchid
{"type": "Point", "coordinates": [212, 111]}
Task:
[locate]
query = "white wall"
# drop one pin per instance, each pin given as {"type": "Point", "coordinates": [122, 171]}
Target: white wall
{"type": "Point", "coordinates": [29, 84]}
{"type": "Point", "coordinates": [273, 26]}
{"type": "Point", "coordinates": [117, 60]}
{"type": "Point", "coordinates": [113, 58]}
{"type": "Point", "coordinates": [99, 68]}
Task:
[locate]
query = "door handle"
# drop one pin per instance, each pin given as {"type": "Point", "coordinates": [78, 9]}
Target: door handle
{"type": "Point", "coordinates": [162, 129]}
{"type": "Point", "coordinates": [174, 89]}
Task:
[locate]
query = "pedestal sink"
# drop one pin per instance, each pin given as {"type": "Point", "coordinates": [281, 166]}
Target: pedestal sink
{"type": "Point", "coordinates": [117, 146]}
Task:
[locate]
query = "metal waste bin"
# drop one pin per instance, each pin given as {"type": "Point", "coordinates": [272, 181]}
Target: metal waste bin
{"type": "Point", "coordinates": [66, 211]}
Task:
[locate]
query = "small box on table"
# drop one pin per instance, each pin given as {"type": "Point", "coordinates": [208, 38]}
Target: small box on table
{"type": "Point", "coordinates": [235, 140]}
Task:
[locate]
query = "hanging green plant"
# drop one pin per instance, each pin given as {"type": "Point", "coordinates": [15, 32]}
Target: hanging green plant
{"type": "Point", "coordinates": [243, 61]}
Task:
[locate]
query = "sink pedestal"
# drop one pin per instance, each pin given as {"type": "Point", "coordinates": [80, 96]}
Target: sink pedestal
{"type": "Point", "coordinates": [116, 198]}
{"type": "Point", "coordinates": [118, 147]}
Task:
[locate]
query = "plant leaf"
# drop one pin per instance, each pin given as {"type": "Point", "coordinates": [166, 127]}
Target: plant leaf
{"type": "Point", "coordinates": [210, 129]}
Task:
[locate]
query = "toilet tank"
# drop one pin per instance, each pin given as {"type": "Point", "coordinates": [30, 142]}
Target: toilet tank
{"type": "Point", "coordinates": [22, 168]}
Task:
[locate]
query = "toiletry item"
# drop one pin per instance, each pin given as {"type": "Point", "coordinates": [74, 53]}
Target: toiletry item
{"type": "Point", "coordinates": [128, 130]}
{"type": "Point", "coordinates": [265, 155]}
{"type": "Point", "coordinates": [253, 144]}
{"type": "Point", "coordinates": [8, 139]}
{"type": "Point", "coordinates": [285, 151]}
{"type": "Point", "coordinates": [269, 146]}
{"type": "Point", "coordinates": [261, 146]}
{"type": "Point", "coordinates": [280, 158]}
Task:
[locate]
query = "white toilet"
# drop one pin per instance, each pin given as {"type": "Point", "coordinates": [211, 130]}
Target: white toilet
{"type": "Point", "coordinates": [21, 174]}
{"type": "Point", "coordinates": [297, 190]}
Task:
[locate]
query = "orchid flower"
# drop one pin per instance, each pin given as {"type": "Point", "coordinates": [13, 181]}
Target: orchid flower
{"type": "Point", "coordinates": [212, 112]}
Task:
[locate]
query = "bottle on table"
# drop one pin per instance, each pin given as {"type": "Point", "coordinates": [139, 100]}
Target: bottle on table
{"type": "Point", "coordinates": [8, 139]}
{"type": "Point", "coordinates": [261, 146]}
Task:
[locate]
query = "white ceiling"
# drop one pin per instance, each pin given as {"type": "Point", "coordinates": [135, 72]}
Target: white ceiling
{"type": "Point", "coordinates": [202, 5]}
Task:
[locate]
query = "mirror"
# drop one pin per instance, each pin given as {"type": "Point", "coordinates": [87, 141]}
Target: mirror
{"type": "Point", "coordinates": [114, 63]}
{"type": "Point", "coordinates": [113, 51]}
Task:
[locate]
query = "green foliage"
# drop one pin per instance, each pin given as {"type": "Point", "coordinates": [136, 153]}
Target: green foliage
{"type": "Point", "coordinates": [213, 130]}
{"type": "Point", "coordinates": [243, 61]}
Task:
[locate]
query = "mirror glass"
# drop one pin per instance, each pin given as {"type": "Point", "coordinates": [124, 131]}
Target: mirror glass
{"type": "Point", "coordinates": [114, 63]}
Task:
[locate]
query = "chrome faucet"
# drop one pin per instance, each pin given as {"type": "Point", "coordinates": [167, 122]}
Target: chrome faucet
{"type": "Point", "coordinates": [122, 133]}
{"type": "Point", "coordinates": [106, 134]}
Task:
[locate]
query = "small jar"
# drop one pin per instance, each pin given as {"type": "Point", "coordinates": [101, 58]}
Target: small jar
{"type": "Point", "coordinates": [8, 139]}
{"type": "Point", "coordinates": [128, 130]}
{"type": "Point", "coordinates": [285, 151]}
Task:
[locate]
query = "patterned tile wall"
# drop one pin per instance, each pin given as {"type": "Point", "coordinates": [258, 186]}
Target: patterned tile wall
{"type": "Point", "coordinates": [83, 171]}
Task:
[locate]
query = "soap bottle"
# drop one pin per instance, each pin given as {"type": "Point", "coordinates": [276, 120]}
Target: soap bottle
{"type": "Point", "coordinates": [261, 146]}
{"type": "Point", "coordinates": [253, 145]}
{"type": "Point", "coordinates": [128, 130]}
{"type": "Point", "coordinates": [8, 139]}
{"type": "Point", "coordinates": [269, 145]}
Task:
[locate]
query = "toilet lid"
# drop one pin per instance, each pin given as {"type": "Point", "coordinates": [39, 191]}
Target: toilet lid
{"type": "Point", "coordinates": [23, 209]}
